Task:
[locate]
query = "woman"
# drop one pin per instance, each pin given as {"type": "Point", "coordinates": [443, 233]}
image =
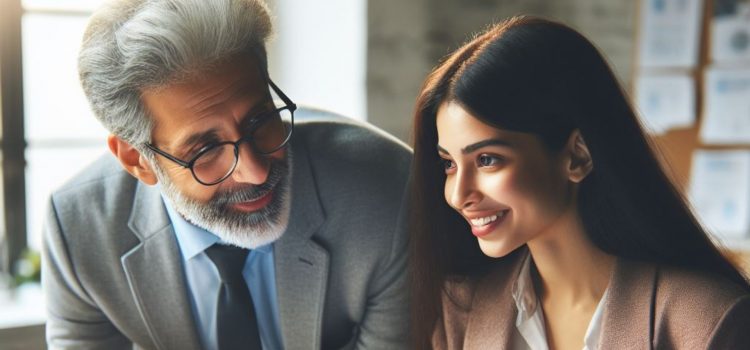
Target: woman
{"type": "Point", "coordinates": [542, 218]}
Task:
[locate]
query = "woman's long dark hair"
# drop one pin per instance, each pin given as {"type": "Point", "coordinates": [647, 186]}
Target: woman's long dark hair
{"type": "Point", "coordinates": [541, 77]}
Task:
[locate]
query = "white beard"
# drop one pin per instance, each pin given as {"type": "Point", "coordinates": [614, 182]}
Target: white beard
{"type": "Point", "coordinates": [245, 230]}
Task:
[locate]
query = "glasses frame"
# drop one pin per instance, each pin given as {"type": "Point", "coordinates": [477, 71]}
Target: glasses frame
{"type": "Point", "coordinates": [288, 105]}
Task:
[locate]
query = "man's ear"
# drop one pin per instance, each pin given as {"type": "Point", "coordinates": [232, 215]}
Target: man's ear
{"type": "Point", "coordinates": [579, 163]}
{"type": "Point", "coordinates": [132, 160]}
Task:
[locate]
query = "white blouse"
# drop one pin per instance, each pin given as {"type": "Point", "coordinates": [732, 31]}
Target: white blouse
{"type": "Point", "coordinates": [530, 334]}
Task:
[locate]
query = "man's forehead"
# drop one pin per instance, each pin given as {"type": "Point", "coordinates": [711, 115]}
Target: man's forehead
{"type": "Point", "coordinates": [187, 104]}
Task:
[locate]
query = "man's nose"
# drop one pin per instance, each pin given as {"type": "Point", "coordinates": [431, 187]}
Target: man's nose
{"type": "Point", "coordinates": [252, 167]}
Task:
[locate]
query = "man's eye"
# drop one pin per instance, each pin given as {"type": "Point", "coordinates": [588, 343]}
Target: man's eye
{"type": "Point", "coordinates": [485, 160]}
{"type": "Point", "coordinates": [195, 151]}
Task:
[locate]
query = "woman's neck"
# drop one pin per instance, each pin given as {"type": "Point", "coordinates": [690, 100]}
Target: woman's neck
{"type": "Point", "coordinates": [569, 268]}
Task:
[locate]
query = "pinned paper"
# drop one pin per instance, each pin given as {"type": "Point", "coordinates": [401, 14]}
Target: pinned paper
{"type": "Point", "coordinates": [670, 33]}
{"type": "Point", "coordinates": [730, 33]}
{"type": "Point", "coordinates": [720, 192]}
{"type": "Point", "coordinates": [665, 101]}
{"type": "Point", "coordinates": [727, 106]}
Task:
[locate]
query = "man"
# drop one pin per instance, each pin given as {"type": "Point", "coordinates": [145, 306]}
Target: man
{"type": "Point", "coordinates": [221, 221]}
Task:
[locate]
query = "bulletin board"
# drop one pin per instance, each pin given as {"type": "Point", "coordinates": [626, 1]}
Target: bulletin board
{"type": "Point", "coordinates": [682, 138]}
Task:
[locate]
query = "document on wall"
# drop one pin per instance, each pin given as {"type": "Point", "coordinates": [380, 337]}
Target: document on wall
{"type": "Point", "coordinates": [670, 33]}
{"type": "Point", "coordinates": [720, 192]}
{"type": "Point", "coordinates": [726, 106]}
{"type": "Point", "coordinates": [730, 32]}
{"type": "Point", "coordinates": [665, 101]}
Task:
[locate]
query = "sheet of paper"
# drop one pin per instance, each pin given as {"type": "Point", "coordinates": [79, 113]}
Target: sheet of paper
{"type": "Point", "coordinates": [730, 32]}
{"type": "Point", "coordinates": [665, 101]}
{"type": "Point", "coordinates": [726, 117]}
{"type": "Point", "coordinates": [670, 33]}
{"type": "Point", "coordinates": [720, 192]}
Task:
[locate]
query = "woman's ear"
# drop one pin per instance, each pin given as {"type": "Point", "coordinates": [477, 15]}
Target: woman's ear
{"type": "Point", "coordinates": [579, 163]}
{"type": "Point", "coordinates": [132, 160]}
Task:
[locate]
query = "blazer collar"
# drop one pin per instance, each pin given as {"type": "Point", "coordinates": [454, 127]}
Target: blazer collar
{"type": "Point", "coordinates": [301, 263]}
{"type": "Point", "coordinates": [165, 309]}
{"type": "Point", "coordinates": [493, 312]}
{"type": "Point", "coordinates": [628, 321]}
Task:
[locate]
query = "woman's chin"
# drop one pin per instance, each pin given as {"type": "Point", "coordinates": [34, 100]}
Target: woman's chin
{"type": "Point", "coordinates": [496, 249]}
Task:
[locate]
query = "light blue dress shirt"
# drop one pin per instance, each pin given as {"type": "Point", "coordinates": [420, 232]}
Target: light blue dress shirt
{"type": "Point", "coordinates": [203, 283]}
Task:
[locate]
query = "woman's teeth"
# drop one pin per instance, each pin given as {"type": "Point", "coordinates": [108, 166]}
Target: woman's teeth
{"type": "Point", "coordinates": [479, 222]}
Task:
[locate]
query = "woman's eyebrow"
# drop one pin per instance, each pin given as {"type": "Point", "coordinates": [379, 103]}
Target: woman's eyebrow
{"type": "Point", "coordinates": [475, 146]}
{"type": "Point", "coordinates": [490, 142]}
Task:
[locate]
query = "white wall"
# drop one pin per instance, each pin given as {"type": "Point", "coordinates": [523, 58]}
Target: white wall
{"type": "Point", "coordinates": [318, 55]}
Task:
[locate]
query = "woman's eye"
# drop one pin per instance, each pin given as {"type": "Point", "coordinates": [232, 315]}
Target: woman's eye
{"type": "Point", "coordinates": [487, 160]}
{"type": "Point", "coordinates": [448, 165]}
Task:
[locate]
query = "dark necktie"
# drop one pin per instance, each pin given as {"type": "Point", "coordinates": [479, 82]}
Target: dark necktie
{"type": "Point", "coordinates": [236, 325]}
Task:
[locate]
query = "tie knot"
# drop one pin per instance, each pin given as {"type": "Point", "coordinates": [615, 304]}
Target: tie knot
{"type": "Point", "coordinates": [229, 260]}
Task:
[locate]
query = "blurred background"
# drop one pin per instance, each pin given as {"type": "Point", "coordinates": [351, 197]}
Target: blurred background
{"type": "Point", "coordinates": [367, 60]}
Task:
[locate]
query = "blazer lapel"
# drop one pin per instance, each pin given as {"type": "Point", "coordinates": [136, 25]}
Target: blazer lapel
{"type": "Point", "coordinates": [154, 273]}
{"type": "Point", "coordinates": [629, 309]}
{"type": "Point", "coordinates": [493, 312]}
{"type": "Point", "coordinates": [302, 264]}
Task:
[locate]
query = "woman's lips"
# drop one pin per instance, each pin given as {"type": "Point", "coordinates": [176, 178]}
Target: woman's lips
{"type": "Point", "coordinates": [254, 205]}
{"type": "Point", "coordinates": [483, 226]}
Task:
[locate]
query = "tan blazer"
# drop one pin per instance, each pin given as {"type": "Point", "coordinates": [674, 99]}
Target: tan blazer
{"type": "Point", "coordinates": [648, 307]}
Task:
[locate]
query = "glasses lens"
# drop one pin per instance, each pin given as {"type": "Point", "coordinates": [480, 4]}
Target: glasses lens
{"type": "Point", "coordinates": [214, 164]}
{"type": "Point", "coordinates": [273, 132]}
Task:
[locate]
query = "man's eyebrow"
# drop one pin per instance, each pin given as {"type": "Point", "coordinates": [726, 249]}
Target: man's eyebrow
{"type": "Point", "coordinates": [199, 137]}
{"type": "Point", "coordinates": [475, 146]}
{"type": "Point", "coordinates": [263, 106]}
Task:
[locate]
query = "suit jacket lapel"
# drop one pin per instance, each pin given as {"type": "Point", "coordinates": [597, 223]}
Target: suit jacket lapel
{"type": "Point", "coordinates": [155, 276]}
{"type": "Point", "coordinates": [493, 312]}
{"type": "Point", "coordinates": [629, 309]}
{"type": "Point", "coordinates": [302, 264]}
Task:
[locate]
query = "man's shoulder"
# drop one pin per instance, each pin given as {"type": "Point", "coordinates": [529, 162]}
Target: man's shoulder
{"type": "Point", "coordinates": [103, 169]}
{"type": "Point", "coordinates": [331, 130]}
{"type": "Point", "coordinates": [96, 188]}
{"type": "Point", "coordinates": [346, 145]}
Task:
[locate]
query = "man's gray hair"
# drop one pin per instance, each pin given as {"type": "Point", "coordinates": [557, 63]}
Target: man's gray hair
{"type": "Point", "coordinates": [132, 45]}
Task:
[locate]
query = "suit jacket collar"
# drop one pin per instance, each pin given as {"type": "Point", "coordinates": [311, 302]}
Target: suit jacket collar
{"type": "Point", "coordinates": [628, 315]}
{"type": "Point", "coordinates": [154, 273]}
{"type": "Point", "coordinates": [301, 263]}
{"type": "Point", "coordinates": [301, 267]}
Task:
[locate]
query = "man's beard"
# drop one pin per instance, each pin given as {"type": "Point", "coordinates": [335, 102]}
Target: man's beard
{"type": "Point", "coordinates": [246, 230]}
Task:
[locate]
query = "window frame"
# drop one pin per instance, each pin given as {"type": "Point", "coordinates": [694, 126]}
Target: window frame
{"type": "Point", "coordinates": [13, 144]}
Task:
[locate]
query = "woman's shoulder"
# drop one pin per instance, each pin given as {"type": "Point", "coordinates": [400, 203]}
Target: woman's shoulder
{"type": "Point", "coordinates": [683, 286]}
{"type": "Point", "coordinates": [695, 307]}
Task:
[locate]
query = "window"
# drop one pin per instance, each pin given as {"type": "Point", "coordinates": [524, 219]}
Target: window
{"type": "Point", "coordinates": [50, 132]}
{"type": "Point", "coordinates": [62, 134]}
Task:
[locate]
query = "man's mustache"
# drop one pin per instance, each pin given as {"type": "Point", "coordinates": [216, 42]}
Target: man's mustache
{"type": "Point", "coordinates": [248, 192]}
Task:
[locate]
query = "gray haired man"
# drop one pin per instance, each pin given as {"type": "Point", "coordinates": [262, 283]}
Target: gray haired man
{"type": "Point", "coordinates": [219, 222]}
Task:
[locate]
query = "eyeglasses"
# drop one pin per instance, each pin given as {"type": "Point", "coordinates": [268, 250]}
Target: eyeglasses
{"type": "Point", "coordinates": [267, 133]}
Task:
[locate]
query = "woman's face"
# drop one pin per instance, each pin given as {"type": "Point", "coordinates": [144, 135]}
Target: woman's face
{"type": "Point", "coordinates": [507, 186]}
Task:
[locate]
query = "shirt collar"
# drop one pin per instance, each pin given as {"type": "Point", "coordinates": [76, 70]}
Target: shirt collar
{"type": "Point", "coordinates": [192, 239]}
{"type": "Point", "coordinates": [523, 292]}
{"type": "Point", "coordinates": [531, 325]}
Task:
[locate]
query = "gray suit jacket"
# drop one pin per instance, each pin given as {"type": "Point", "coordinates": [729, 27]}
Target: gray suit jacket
{"type": "Point", "coordinates": [648, 307]}
{"type": "Point", "coordinates": [112, 268]}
